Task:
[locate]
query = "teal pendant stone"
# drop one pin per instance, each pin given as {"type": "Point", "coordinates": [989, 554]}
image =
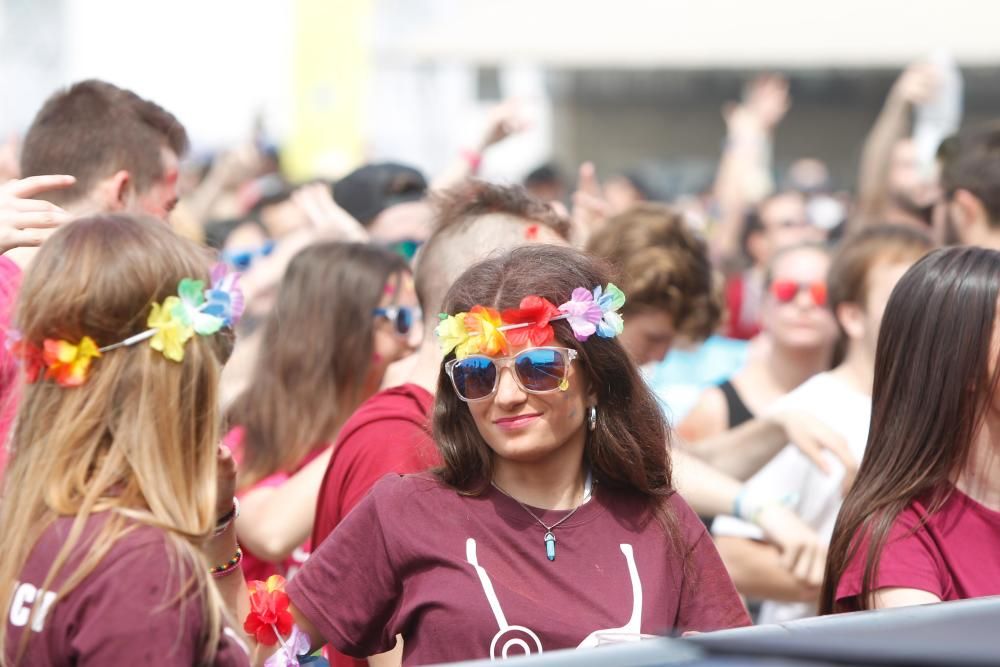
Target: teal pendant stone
{"type": "Point", "coordinates": [550, 545]}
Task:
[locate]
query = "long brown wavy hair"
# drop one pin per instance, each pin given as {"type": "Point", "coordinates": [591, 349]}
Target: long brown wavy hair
{"type": "Point", "coordinates": [138, 441]}
{"type": "Point", "coordinates": [628, 451]}
{"type": "Point", "coordinates": [315, 355]}
{"type": "Point", "coordinates": [932, 388]}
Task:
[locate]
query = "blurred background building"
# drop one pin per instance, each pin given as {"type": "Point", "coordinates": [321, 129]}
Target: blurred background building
{"type": "Point", "coordinates": [628, 84]}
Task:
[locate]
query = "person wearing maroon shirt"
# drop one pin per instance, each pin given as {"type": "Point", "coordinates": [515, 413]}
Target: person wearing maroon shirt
{"type": "Point", "coordinates": [921, 523]}
{"type": "Point", "coordinates": [116, 492]}
{"type": "Point", "coordinates": [552, 522]}
{"type": "Point", "coordinates": [390, 431]}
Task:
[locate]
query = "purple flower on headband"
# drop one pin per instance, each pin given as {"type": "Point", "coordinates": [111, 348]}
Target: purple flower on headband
{"type": "Point", "coordinates": [225, 298]}
{"type": "Point", "coordinates": [583, 313]}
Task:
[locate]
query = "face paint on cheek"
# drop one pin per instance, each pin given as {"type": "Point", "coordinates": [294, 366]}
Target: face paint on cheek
{"type": "Point", "coordinates": [376, 358]}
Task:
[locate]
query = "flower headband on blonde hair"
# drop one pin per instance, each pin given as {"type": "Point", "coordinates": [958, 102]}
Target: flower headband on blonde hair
{"type": "Point", "coordinates": [484, 330]}
{"type": "Point", "coordinates": [194, 310]}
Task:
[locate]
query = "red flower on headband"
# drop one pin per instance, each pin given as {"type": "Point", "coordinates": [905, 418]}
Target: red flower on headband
{"type": "Point", "coordinates": [268, 611]}
{"type": "Point", "coordinates": [536, 312]}
{"type": "Point", "coordinates": [30, 356]}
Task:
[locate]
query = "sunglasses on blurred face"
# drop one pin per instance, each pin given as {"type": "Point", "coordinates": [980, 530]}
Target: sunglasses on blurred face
{"type": "Point", "coordinates": [786, 291]}
{"type": "Point", "coordinates": [403, 318]}
{"type": "Point", "coordinates": [538, 370]}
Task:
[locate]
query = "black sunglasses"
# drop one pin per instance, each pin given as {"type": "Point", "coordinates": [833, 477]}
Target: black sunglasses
{"type": "Point", "coordinates": [402, 317]}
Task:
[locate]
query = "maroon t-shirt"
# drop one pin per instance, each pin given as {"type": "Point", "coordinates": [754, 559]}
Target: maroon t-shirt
{"type": "Point", "coordinates": [467, 577]}
{"type": "Point", "coordinates": [125, 612]}
{"type": "Point", "coordinates": [388, 433]}
{"type": "Point", "coordinates": [953, 555]}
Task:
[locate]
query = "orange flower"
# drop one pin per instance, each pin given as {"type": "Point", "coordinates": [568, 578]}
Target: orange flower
{"type": "Point", "coordinates": [68, 364]}
{"type": "Point", "coordinates": [483, 325]}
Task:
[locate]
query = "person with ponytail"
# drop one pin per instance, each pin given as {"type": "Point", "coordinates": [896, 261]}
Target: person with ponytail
{"type": "Point", "coordinates": [921, 523]}
{"type": "Point", "coordinates": [117, 498]}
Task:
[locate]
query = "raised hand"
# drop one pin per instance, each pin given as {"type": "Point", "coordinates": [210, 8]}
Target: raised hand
{"type": "Point", "coordinates": [590, 209]}
{"type": "Point", "coordinates": [917, 84]}
{"type": "Point", "coordinates": [316, 201]}
{"type": "Point", "coordinates": [27, 222]}
{"type": "Point", "coordinates": [504, 120]}
{"type": "Point", "coordinates": [767, 98]}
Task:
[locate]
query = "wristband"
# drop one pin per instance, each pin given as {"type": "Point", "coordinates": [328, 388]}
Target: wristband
{"type": "Point", "coordinates": [227, 519]}
{"type": "Point", "coordinates": [229, 566]}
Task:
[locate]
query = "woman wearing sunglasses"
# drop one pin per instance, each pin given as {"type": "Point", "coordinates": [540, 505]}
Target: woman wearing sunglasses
{"type": "Point", "coordinates": [344, 312]}
{"type": "Point", "coordinates": [797, 342]}
{"type": "Point", "coordinates": [552, 522]}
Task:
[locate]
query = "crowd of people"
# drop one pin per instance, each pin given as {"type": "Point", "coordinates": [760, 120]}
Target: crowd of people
{"type": "Point", "coordinates": [394, 419]}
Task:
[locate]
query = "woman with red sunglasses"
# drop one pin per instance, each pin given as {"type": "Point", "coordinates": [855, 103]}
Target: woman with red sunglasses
{"type": "Point", "coordinates": [797, 341]}
{"type": "Point", "coordinates": [553, 521]}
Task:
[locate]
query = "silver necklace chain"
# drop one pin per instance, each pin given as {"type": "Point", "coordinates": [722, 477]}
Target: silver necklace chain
{"type": "Point", "coordinates": [535, 516]}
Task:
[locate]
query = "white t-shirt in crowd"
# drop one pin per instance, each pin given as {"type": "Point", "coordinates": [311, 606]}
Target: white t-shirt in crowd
{"type": "Point", "coordinates": [815, 496]}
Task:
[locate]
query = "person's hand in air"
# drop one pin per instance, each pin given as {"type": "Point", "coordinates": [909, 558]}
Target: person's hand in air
{"type": "Point", "coordinates": [27, 222]}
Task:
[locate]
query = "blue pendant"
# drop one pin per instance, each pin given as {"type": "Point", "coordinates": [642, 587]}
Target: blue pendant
{"type": "Point", "coordinates": [550, 545]}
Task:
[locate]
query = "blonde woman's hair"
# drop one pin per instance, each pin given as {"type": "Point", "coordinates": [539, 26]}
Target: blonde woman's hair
{"type": "Point", "coordinates": [138, 440]}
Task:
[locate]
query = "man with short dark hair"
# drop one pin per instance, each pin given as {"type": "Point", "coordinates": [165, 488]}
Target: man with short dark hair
{"type": "Point", "coordinates": [123, 150]}
{"type": "Point", "coordinates": [969, 212]}
{"type": "Point", "coordinates": [118, 151]}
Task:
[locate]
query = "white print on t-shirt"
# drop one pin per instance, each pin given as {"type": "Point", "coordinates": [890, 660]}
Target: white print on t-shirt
{"type": "Point", "coordinates": [516, 633]}
{"type": "Point", "coordinates": [21, 606]}
{"type": "Point", "coordinates": [632, 627]}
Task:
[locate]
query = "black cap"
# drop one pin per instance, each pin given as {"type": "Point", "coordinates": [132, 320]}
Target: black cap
{"type": "Point", "coordinates": [369, 190]}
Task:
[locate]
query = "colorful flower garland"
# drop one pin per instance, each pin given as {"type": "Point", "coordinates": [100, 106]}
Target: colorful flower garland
{"type": "Point", "coordinates": [195, 310]}
{"type": "Point", "coordinates": [484, 330]}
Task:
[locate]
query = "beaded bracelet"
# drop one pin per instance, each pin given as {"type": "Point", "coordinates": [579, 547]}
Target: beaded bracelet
{"type": "Point", "coordinates": [222, 570]}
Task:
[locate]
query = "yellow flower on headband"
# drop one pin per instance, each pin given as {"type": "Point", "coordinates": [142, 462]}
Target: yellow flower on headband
{"type": "Point", "coordinates": [451, 332]}
{"type": "Point", "coordinates": [171, 332]}
{"type": "Point", "coordinates": [485, 337]}
{"type": "Point", "coordinates": [67, 363]}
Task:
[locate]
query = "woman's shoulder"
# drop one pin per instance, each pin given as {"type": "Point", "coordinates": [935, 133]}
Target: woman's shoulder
{"type": "Point", "coordinates": [397, 488]}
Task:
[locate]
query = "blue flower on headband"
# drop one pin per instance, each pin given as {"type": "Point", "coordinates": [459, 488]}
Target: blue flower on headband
{"type": "Point", "coordinates": [190, 310]}
{"type": "Point", "coordinates": [609, 300]}
{"type": "Point", "coordinates": [225, 299]}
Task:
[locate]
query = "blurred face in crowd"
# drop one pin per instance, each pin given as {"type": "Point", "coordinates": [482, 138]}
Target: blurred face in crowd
{"type": "Point", "coordinates": [410, 221]}
{"type": "Point", "coordinates": [794, 309]}
{"type": "Point", "coordinates": [882, 278]}
{"type": "Point", "coordinates": [786, 222]}
{"type": "Point", "coordinates": [397, 334]}
{"type": "Point", "coordinates": [648, 335]}
{"type": "Point", "coordinates": [910, 185]}
{"type": "Point", "coordinates": [160, 198]}
{"type": "Point", "coordinates": [621, 195]}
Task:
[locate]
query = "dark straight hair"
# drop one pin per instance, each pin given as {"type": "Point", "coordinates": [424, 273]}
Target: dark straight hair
{"type": "Point", "coordinates": [932, 388]}
{"type": "Point", "coordinates": [628, 450]}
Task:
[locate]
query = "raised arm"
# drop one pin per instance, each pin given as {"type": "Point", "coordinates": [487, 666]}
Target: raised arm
{"type": "Point", "coordinates": [915, 85]}
{"type": "Point", "coordinates": [744, 175]}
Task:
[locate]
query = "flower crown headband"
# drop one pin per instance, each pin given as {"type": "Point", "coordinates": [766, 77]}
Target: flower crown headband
{"type": "Point", "coordinates": [195, 310]}
{"type": "Point", "coordinates": [483, 330]}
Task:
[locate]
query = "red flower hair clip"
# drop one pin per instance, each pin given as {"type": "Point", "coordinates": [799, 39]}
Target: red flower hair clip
{"type": "Point", "coordinates": [536, 313]}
